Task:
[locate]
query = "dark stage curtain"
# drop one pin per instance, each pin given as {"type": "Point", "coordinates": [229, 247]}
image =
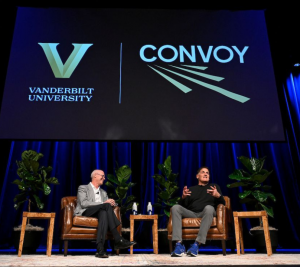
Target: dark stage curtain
{"type": "Point", "coordinates": [73, 161]}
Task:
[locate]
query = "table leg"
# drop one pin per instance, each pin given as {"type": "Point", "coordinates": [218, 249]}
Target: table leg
{"type": "Point", "coordinates": [50, 236]}
{"type": "Point", "coordinates": [131, 234]}
{"type": "Point", "coordinates": [237, 234]}
{"type": "Point", "coordinates": [267, 235]}
{"type": "Point", "coordinates": [48, 232]}
{"type": "Point", "coordinates": [22, 235]}
{"type": "Point", "coordinates": [155, 236]}
{"type": "Point", "coordinates": [241, 235]}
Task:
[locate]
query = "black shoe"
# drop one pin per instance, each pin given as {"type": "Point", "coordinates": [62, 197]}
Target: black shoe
{"type": "Point", "coordinates": [101, 253]}
{"type": "Point", "coordinates": [123, 243]}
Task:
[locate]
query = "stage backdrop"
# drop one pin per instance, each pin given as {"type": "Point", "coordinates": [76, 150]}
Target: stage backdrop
{"type": "Point", "coordinates": [140, 74]}
{"type": "Point", "coordinates": [73, 162]}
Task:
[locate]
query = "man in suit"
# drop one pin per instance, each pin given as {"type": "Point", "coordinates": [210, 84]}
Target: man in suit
{"type": "Point", "coordinates": [199, 201]}
{"type": "Point", "coordinates": [92, 201]}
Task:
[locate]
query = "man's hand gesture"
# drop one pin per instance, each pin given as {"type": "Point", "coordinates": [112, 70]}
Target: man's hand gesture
{"type": "Point", "coordinates": [213, 191]}
{"type": "Point", "coordinates": [186, 192]}
{"type": "Point", "coordinates": [110, 201]}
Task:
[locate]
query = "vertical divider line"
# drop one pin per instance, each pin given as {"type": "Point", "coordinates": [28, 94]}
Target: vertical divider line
{"type": "Point", "coordinates": [120, 89]}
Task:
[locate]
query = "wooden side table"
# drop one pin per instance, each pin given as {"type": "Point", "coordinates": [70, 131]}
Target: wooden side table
{"type": "Point", "coordinates": [239, 228]}
{"type": "Point", "coordinates": [38, 215]}
{"type": "Point", "coordinates": [154, 229]}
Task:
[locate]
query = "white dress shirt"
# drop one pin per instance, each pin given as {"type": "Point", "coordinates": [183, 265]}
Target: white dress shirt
{"type": "Point", "coordinates": [97, 193]}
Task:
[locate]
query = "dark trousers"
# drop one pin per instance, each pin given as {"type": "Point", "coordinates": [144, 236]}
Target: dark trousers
{"type": "Point", "coordinates": [107, 219]}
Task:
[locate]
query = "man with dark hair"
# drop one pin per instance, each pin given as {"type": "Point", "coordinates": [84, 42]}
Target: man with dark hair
{"type": "Point", "coordinates": [92, 201]}
{"type": "Point", "coordinates": [199, 201]}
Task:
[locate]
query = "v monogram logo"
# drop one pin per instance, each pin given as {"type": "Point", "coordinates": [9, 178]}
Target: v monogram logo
{"type": "Point", "coordinates": [59, 69]}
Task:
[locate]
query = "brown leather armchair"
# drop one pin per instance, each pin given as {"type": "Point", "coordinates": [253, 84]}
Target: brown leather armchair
{"type": "Point", "coordinates": [79, 227]}
{"type": "Point", "coordinates": [221, 227]}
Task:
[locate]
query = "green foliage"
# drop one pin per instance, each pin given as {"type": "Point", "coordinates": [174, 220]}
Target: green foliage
{"type": "Point", "coordinates": [120, 184]}
{"type": "Point", "coordinates": [167, 186]}
{"type": "Point", "coordinates": [33, 179]}
{"type": "Point", "coordinates": [251, 180]}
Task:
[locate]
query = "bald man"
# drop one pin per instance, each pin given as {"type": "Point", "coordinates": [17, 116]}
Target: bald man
{"type": "Point", "coordinates": [92, 201]}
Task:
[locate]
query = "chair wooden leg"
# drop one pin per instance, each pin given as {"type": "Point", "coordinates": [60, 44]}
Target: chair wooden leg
{"type": "Point", "coordinates": [170, 246]}
{"type": "Point", "coordinates": [65, 248]}
{"type": "Point", "coordinates": [224, 247]}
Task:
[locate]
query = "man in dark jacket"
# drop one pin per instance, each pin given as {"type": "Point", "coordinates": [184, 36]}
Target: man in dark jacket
{"type": "Point", "coordinates": [199, 201]}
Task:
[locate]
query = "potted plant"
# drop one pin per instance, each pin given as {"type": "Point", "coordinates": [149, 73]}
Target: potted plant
{"type": "Point", "coordinates": [34, 179]}
{"type": "Point", "coordinates": [256, 196]}
{"type": "Point", "coordinates": [121, 184]}
{"type": "Point", "coordinates": [166, 186]}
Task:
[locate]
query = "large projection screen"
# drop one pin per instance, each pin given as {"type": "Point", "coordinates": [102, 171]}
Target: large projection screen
{"type": "Point", "coordinates": [140, 74]}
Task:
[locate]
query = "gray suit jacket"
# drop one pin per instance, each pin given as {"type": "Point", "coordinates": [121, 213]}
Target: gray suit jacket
{"type": "Point", "coordinates": [86, 198]}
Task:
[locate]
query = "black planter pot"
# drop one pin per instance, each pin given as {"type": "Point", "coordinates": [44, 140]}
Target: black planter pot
{"type": "Point", "coordinates": [258, 238]}
{"type": "Point", "coordinates": [163, 242]}
{"type": "Point", "coordinates": [31, 242]}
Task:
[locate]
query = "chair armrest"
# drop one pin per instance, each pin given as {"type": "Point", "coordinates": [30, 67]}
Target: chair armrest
{"type": "Point", "coordinates": [117, 211]}
{"type": "Point", "coordinates": [169, 226]}
{"type": "Point", "coordinates": [222, 220]}
{"type": "Point", "coordinates": [66, 219]}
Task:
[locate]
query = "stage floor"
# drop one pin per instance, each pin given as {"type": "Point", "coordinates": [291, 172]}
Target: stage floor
{"type": "Point", "coordinates": [152, 260]}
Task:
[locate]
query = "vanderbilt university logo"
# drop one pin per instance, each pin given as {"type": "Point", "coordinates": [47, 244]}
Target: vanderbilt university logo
{"type": "Point", "coordinates": [59, 69]}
